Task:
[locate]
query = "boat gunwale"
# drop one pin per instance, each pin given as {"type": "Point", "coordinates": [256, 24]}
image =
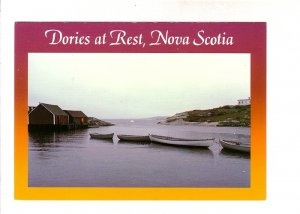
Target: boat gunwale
{"type": "Point", "coordinates": [128, 135]}
{"type": "Point", "coordinates": [179, 139]}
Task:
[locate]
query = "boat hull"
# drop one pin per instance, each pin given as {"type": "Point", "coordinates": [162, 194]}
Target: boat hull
{"type": "Point", "coordinates": [135, 138]}
{"type": "Point", "coordinates": [101, 136]}
{"type": "Point", "coordinates": [181, 141]}
{"type": "Point", "coordinates": [235, 146]}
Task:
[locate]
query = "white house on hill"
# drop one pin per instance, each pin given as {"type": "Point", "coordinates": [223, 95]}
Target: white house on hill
{"type": "Point", "coordinates": [243, 102]}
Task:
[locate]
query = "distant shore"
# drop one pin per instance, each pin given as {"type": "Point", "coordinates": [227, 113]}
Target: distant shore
{"type": "Point", "coordinates": [182, 122]}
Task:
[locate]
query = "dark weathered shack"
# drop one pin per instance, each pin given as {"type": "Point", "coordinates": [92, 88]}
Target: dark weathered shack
{"type": "Point", "coordinates": [77, 119]}
{"type": "Point", "coordinates": [46, 116]}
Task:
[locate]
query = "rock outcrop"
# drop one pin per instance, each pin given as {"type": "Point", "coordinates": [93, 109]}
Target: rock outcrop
{"type": "Point", "coordinates": [92, 121]}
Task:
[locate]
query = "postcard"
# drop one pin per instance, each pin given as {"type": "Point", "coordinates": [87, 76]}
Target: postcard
{"type": "Point", "coordinates": [140, 110]}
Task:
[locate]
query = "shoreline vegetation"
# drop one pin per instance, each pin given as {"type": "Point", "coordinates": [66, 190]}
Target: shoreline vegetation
{"type": "Point", "coordinates": [229, 116]}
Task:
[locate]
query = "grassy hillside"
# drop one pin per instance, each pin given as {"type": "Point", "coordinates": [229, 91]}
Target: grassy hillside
{"type": "Point", "coordinates": [223, 116]}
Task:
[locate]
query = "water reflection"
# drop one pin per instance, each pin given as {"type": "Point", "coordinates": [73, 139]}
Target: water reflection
{"type": "Point", "coordinates": [52, 141]}
{"type": "Point", "coordinates": [234, 154]}
{"type": "Point", "coordinates": [201, 151]}
{"type": "Point", "coordinates": [132, 142]}
{"type": "Point", "coordinates": [92, 140]}
{"type": "Point", "coordinates": [42, 138]}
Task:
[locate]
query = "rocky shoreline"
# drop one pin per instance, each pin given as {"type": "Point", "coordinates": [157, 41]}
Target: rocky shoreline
{"type": "Point", "coordinates": [92, 121]}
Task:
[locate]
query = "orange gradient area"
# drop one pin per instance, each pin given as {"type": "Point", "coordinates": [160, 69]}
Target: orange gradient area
{"type": "Point", "coordinates": [29, 37]}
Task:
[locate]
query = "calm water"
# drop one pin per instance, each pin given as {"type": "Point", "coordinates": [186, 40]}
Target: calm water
{"type": "Point", "coordinates": [74, 159]}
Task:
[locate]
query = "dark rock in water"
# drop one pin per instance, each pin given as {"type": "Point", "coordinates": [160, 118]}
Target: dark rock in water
{"type": "Point", "coordinates": [92, 121]}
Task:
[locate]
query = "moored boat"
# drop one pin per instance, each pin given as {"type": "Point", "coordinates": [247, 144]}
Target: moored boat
{"type": "Point", "coordinates": [102, 136]}
{"type": "Point", "coordinates": [205, 142]}
{"type": "Point", "coordinates": [135, 138]}
{"type": "Point", "coordinates": [234, 145]}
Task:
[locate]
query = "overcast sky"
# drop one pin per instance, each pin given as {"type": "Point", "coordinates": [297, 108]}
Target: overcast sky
{"type": "Point", "coordinates": [130, 85]}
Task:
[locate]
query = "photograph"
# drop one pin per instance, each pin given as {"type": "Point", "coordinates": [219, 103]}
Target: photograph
{"type": "Point", "coordinates": [139, 120]}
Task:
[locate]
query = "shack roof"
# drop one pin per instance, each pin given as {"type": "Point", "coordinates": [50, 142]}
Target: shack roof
{"type": "Point", "coordinates": [245, 99]}
{"type": "Point", "coordinates": [73, 113]}
{"type": "Point", "coordinates": [54, 109]}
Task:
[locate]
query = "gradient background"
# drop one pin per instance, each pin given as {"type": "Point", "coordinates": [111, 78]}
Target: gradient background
{"type": "Point", "coordinates": [248, 37]}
